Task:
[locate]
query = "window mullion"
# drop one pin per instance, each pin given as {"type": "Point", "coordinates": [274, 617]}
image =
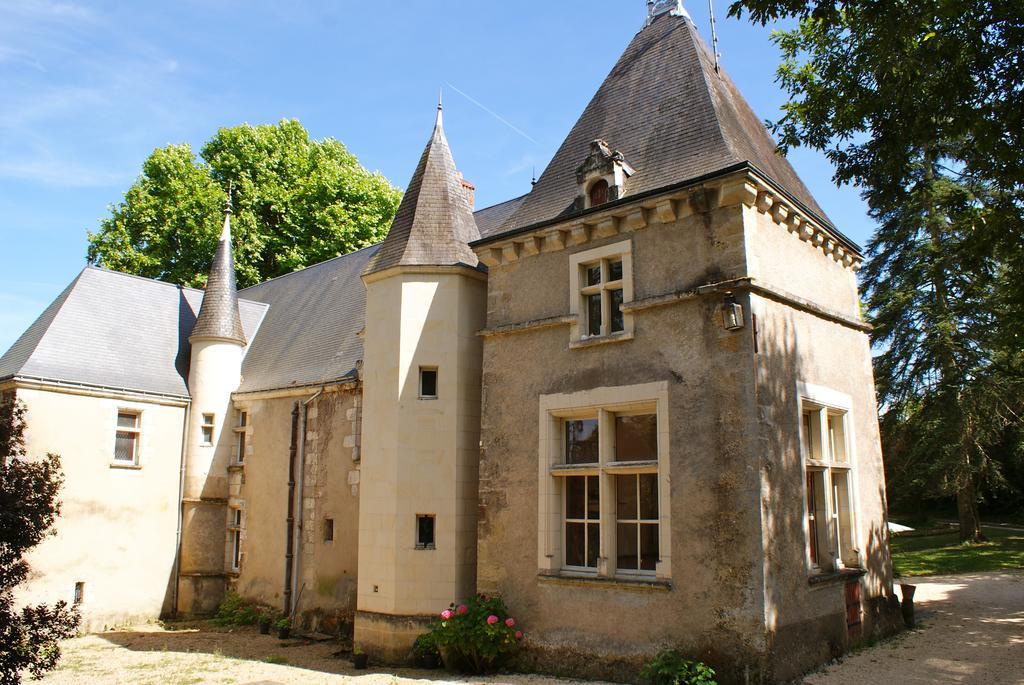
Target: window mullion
{"type": "Point", "coordinates": [606, 455]}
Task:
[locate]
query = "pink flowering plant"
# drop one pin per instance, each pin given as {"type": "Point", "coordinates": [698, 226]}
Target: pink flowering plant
{"type": "Point", "coordinates": [478, 636]}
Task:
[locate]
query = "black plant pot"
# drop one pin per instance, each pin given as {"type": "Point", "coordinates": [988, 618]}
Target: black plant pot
{"type": "Point", "coordinates": [360, 661]}
{"type": "Point", "coordinates": [283, 633]}
{"type": "Point", "coordinates": [264, 627]}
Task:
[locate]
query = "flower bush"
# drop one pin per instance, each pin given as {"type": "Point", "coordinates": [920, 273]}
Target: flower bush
{"type": "Point", "coordinates": [670, 667]}
{"type": "Point", "coordinates": [476, 637]}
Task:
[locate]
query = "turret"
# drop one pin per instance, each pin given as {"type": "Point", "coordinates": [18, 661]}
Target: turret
{"type": "Point", "coordinates": [425, 302]}
{"type": "Point", "coordinates": [218, 343]}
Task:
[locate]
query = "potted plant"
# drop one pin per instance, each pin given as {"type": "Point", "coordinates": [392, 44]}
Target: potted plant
{"type": "Point", "coordinates": [359, 658]}
{"type": "Point", "coordinates": [284, 628]}
{"type": "Point", "coordinates": [266, 618]}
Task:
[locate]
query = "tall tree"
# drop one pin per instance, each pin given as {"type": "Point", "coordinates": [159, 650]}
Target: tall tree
{"type": "Point", "coordinates": [918, 103]}
{"type": "Point", "coordinates": [297, 202]}
{"type": "Point", "coordinates": [29, 638]}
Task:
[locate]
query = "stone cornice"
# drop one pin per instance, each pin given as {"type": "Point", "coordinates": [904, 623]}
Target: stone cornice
{"type": "Point", "coordinates": [745, 283]}
{"type": "Point", "coordinates": [460, 269]}
{"type": "Point", "coordinates": [742, 187]}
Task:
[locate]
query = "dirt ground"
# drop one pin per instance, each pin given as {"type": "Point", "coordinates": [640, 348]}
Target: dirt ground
{"type": "Point", "coordinates": [151, 655]}
{"type": "Point", "coordinates": [971, 632]}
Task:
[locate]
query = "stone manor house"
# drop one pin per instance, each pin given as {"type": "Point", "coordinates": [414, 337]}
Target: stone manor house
{"type": "Point", "coordinates": [637, 402]}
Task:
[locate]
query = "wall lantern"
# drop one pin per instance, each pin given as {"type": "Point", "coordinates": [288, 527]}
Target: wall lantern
{"type": "Point", "coordinates": [732, 313]}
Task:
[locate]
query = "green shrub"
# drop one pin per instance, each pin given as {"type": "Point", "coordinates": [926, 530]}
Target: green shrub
{"type": "Point", "coordinates": [236, 611]}
{"type": "Point", "coordinates": [424, 651]}
{"type": "Point", "coordinates": [670, 667]}
{"type": "Point", "coordinates": [476, 637]}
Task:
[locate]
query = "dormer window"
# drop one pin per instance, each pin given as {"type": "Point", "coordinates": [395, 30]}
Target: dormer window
{"type": "Point", "coordinates": [601, 177]}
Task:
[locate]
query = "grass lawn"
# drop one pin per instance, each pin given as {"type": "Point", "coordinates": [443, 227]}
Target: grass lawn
{"type": "Point", "coordinates": [940, 554]}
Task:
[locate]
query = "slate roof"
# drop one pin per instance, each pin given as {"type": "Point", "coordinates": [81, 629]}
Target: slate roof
{"type": "Point", "coordinates": [310, 333]}
{"type": "Point", "coordinates": [218, 317]}
{"type": "Point", "coordinates": [434, 223]}
{"type": "Point", "coordinates": [490, 219]}
{"type": "Point", "coordinates": [113, 330]}
{"type": "Point", "coordinates": [672, 116]}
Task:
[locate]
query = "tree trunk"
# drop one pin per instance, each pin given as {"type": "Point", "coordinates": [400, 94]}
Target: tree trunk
{"type": "Point", "coordinates": [967, 512]}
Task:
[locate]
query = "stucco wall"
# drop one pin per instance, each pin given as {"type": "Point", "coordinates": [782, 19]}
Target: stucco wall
{"type": "Point", "coordinates": [326, 570]}
{"type": "Point", "coordinates": [714, 608]}
{"type": "Point", "coordinates": [117, 529]}
{"type": "Point", "coordinates": [808, 622]}
{"type": "Point", "coordinates": [773, 251]}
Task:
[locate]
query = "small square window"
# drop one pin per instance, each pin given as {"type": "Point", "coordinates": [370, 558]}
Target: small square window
{"type": "Point", "coordinates": [207, 429]}
{"type": "Point", "coordinates": [328, 530]}
{"type": "Point", "coordinates": [424, 531]}
{"type": "Point", "coordinates": [428, 383]}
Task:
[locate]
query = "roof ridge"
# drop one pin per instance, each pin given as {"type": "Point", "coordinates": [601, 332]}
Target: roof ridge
{"type": "Point", "coordinates": [311, 266]}
{"type": "Point", "coordinates": [148, 279]}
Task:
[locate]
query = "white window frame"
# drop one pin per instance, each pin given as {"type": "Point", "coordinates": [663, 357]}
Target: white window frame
{"type": "Point", "coordinates": [203, 425]}
{"type": "Point", "coordinates": [817, 455]}
{"type": "Point", "coordinates": [137, 431]}
{"type": "Point", "coordinates": [578, 291]}
{"type": "Point", "coordinates": [241, 436]}
{"type": "Point", "coordinates": [235, 527]}
{"type": "Point", "coordinates": [604, 403]}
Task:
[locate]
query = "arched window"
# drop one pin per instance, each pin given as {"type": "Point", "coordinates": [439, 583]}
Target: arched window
{"type": "Point", "coordinates": [599, 193]}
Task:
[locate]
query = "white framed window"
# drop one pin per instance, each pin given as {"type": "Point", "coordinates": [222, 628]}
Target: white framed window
{"type": "Point", "coordinates": [600, 282]}
{"type": "Point", "coordinates": [829, 492]}
{"type": "Point", "coordinates": [206, 429]}
{"type": "Point", "coordinates": [127, 437]}
{"type": "Point", "coordinates": [428, 383]}
{"type": "Point", "coordinates": [240, 425]}
{"type": "Point", "coordinates": [604, 483]}
{"type": "Point", "coordinates": [235, 535]}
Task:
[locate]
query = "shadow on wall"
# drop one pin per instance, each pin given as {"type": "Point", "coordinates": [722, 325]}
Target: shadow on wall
{"type": "Point", "coordinates": [807, 624]}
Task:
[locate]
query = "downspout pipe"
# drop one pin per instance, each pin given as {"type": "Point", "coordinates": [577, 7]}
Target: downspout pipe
{"type": "Point", "coordinates": [289, 553]}
{"type": "Point", "coordinates": [300, 497]}
{"type": "Point", "coordinates": [176, 573]}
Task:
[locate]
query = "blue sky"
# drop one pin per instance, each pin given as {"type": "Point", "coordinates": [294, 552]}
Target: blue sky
{"type": "Point", "coordinates": [87, 90]}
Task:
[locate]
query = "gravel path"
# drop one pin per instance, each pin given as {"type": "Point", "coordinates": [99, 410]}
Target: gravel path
{"type": "Point", "coordinates": [970, 631]}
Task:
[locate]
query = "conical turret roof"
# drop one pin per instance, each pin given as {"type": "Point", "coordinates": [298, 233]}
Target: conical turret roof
{"type": "Point", "coordinates": [672, 115]}
{"type": "Point", "coordinates": [218, 316]}
{"type": "Point", "coordinates": [434, 223]}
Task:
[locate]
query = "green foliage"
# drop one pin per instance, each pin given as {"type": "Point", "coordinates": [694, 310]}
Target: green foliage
{"type": "Point", "coordinates": [944, 554]}
{"type": "Point", "coordinates": [296, 202]}
{"type": "Point", "coordinates": [29, 637]}
{"type": "Point", "coordinates": [476, 637]}
{"type": "Point", "coordinates": [234, 610]}
{"type": "Point", "coordinates": [276, 659]}
{"type": "Point", "coordinates": [283, 623]}
{"type": "Point", "coordinates": [669, 667]}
